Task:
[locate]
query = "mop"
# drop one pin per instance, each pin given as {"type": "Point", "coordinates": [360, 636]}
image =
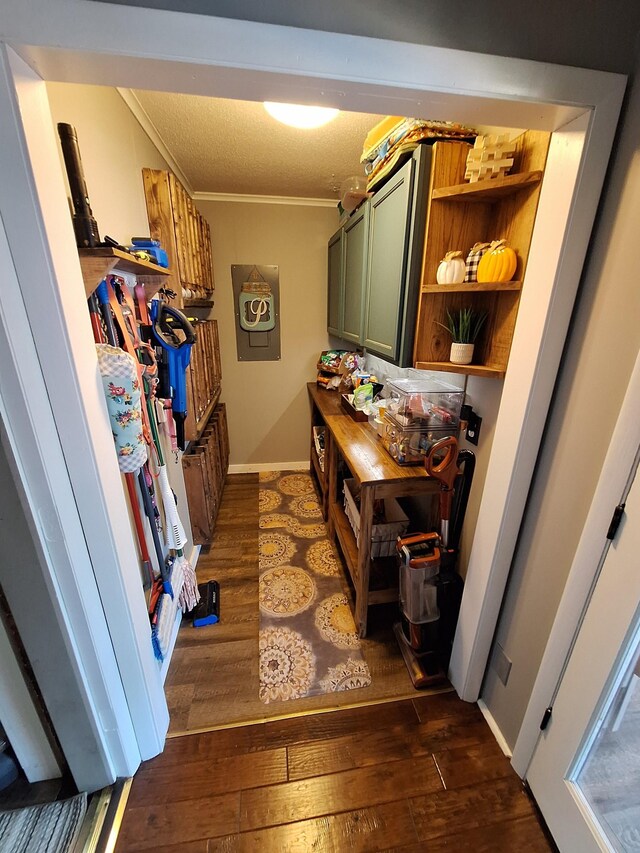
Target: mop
{"type": "Point", "coordinates": [164, 613]}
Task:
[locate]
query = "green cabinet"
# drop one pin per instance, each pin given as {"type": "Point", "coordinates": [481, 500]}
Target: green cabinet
{"type": "Point", "coordinates": [375, 263]}
{"type": "Point", "coordinates": [336, 286]}
{"type": "Point", "coordinates": [347, 275]}
{"type": "Point", "coordinates": [390, 222]}
{"type": "Point", "coordinates": [354, 247]}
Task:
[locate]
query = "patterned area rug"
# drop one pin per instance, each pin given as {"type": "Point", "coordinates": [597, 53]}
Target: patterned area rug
{"type": "Point", "coordinates": [308, 640]}
{"type": "Point", "coordinates": [48, 828]}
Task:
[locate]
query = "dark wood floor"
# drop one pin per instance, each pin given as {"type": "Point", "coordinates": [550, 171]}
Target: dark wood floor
{"type": "Point", "coordinates": [413, 775]}
{"type": "Point", "coordinates": [408, 775]}
{"type": "Point", "coordinates": [213, 679]}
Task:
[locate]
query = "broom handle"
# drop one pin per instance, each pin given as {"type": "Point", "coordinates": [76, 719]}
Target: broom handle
{"type": "Point", "coordinates": [137, 520]}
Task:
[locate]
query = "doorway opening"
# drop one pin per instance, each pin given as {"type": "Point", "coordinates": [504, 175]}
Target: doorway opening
{"type": "Point", "coordinates": [509, 473]}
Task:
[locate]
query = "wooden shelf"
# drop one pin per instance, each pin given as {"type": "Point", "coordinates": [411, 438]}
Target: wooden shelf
{"type": "Point", "coordinates": [98, 263]}
{"type": "Point", "coordinates": [492, 189]}
{"type": "Point", "coordinates": [505, 209]}
{"type": "Point", "coordinates": [469, 369]}
{"type": "Point", "coordinates": [197, 303]}
{"type": "Point", "coordinates": [382, 568]}
{"type": "Point", "coordinates": [346, 539]}
{"type": "Point", "coordinates": [204, 418]}
{"type": "Point", "coordinates": [472, 287]}
{"type": "Point", "coordinates": [318, 470]}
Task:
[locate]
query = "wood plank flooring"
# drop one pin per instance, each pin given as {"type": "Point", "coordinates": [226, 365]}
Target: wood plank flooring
{"type": "Point", "coordinates": [413, 775]}
{"type": "Point", "coordinates": [213, 677]}
{"type": "Point", "coordinates": [365, 770]}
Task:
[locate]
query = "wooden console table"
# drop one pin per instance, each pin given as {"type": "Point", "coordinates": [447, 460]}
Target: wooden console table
{"type": "Point", "coordinates": [375, 580]}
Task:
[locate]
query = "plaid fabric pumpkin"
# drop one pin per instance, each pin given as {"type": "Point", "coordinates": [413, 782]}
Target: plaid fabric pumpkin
{"type": "Point", "coordinates": [473, 259]}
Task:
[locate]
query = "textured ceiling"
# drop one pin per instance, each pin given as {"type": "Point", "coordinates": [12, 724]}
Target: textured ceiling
{"type": "Point", "coordinates": [225, 146]}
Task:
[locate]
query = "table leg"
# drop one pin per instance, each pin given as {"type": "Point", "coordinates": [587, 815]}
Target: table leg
{"type": "Point", "coordinates": [364, 559]}
{"type": "Point", "coordinates": [331, 474]}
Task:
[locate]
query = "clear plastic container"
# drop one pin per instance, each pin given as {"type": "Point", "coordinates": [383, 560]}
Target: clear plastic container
{"type": "Point", "coordinates": [409, 445]}
{"type": "Point", "coordinates": [424, 403]}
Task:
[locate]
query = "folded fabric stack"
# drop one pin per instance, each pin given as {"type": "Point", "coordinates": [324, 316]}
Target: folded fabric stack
{"type": "Point", "coordinates": [392, 141]}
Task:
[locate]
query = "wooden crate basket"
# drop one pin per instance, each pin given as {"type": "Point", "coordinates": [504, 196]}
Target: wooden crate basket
{"type": "Point", "coordinates": [205, 466]}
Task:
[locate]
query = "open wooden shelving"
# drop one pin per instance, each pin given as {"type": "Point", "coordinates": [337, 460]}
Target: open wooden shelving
{"type": "Point", "coordinates": [197, 303]}
{"type": "Point", "coordinates": [184, 234]}
{"type": "Point", "coordinates": [383, 578]}
{"type": "Point", "coordinates": [493, 189]}
{"type": "Point", "coordinates": [461, 214]}
{"type": "Point", "coordinates": [204, 379]}
{"type": "Point", "coordinates": [318, 470]}
{"type": "Point", "coordinates": [465, 369]}
{"type": "Point", "coordinates": [346, 539]}
{"type": "Point", "coordinates": [471, 287]}
{"type": "Point", "coordinates": [98, 263]}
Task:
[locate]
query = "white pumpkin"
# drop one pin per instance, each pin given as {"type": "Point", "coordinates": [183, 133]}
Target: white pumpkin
{"type": "Point", "coordinates": [451, 269]}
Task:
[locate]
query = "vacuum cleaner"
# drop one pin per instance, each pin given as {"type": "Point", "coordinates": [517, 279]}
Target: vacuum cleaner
{"type": "Point", "coordinates": [430, 586]}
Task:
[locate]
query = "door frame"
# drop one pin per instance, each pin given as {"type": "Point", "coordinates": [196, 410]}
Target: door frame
{"type": "Point", "coordinates": [613, 485]}
{"type": "Point", "coordinates": [96, 43]}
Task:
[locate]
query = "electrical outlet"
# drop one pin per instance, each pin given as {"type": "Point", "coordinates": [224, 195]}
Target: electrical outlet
{"type": "Point", "coordinates": [473, 428]}
{"type": "Point", "coordinates": [501, 664]}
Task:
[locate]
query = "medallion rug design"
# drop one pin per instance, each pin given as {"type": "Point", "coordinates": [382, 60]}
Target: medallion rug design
{"type": "Point", "coordinates": [308, 641]}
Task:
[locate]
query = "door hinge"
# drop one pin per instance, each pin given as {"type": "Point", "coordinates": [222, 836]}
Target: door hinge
{"type": "Point", "coordinates": [545, 718]}
{"type": "Point", "coordinates": [616, 518]}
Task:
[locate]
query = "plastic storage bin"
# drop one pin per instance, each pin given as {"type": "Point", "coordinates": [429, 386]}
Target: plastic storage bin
{"type": "Point", "coordinates": [420, 403]}
{"type": "Point", "coordinates": [384, 534]}
{"type": "Point", "coordinates": [409, 445]}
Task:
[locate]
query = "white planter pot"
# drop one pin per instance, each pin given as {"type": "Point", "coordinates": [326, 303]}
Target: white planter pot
{"type": "Point", "coordinates": [461, 353]}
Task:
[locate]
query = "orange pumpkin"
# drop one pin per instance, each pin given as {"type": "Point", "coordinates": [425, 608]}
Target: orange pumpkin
{"type": "Point", "coordinates": [498, 263]}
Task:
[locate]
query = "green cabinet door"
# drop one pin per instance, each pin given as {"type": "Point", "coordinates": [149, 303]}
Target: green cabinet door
{"type": "Point", "coordinates": [390, 213]}
{"type": "Point", "coordinates": [354, 241]}
{"type": "Point", "coordinates": [335, 286]}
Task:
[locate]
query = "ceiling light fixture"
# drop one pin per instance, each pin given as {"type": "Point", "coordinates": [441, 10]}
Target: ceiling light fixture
{"type": "Point", "coordinates": [296, 115]}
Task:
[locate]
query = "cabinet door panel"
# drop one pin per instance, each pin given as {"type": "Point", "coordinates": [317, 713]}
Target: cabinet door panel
{"type": "Point", "coordinates": [335, 285]}
{"type": "Point", "coordinates": [355, 239]}
{"type": "Point", "coordinates": [388, 234]}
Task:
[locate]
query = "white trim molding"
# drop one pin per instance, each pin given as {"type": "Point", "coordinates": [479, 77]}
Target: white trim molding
{"type": "Point", "coordinates": [495, 728]}
{"type": "Point", "coordinates": [267, 199]}
{"type": "Point", "coordinates": [142, 117]}
{"type": "Point", "coordinates": [256, 467]}
{"type": "Point", "coordinates": [613, 484]}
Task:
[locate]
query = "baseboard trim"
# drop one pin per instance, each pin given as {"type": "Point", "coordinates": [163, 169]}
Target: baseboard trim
{"type": "Point", "coordinates": [255, 468]}
{"type": "Point", "coordinates": [495, 728]}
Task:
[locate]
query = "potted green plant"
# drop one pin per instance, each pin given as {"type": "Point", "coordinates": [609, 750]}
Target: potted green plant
{"type": "Point", "coordinates": [464, 326]}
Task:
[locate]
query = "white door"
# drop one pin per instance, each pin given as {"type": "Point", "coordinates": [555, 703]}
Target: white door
{"type": "Point", "coordinates": [585, 771]}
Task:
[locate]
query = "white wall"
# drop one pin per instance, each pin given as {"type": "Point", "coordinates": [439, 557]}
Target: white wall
{"type": "Point", "coordinates": [114, 149]}
{"type": "Point", "coordinates": [599, 356]}
{"type": "Point", "coordinates": [267, 402]}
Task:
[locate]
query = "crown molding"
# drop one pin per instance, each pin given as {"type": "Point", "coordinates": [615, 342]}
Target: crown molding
{"type": "Point", "coordinates": [139, 112]}
{"type": "Point", "coordinates": [267, 199]}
